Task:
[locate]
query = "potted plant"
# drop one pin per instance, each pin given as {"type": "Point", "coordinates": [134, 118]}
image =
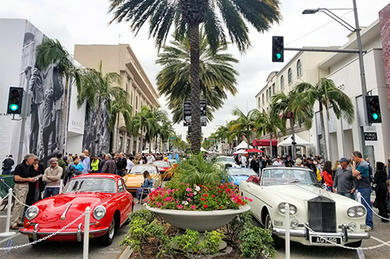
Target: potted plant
{"type": "Point", "coordinates": [198, 197]}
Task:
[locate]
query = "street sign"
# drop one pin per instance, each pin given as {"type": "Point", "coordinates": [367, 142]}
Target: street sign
{"type": "Point", "coordinates": [370, 134]}
{"type": "Point", "coordinates": [187, 112]}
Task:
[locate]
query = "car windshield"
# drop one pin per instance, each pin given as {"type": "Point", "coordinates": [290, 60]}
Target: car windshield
{"type": "Point", "coordinates": [140, 169]}
{"type": "Point", "coordinates": [91, 184]}
{"type": "Point", "coordinates": [224, 159]}
{"type": "Point", "coordinates": [284, 176]}
{"type": "Point", "coordinates": [241, 171]}
{"type": "Point", "coordinates": [162, 164]}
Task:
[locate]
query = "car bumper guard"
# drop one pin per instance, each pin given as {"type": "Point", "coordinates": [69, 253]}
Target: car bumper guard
{"type": "Point", "coordinates": [345, 235]}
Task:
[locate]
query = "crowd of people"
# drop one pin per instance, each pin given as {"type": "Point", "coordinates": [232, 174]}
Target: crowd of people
{"type": "Point", "coordinates": [345, 177]}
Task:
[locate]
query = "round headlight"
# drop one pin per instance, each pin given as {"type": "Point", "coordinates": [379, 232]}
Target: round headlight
{"type": "Point", "coordinates": [282, 208]}
{"type": "Point", "coordinates": [32, 212]}
{"type": "Point", "coordinates": [351, 212]}
{"type": "Point", "coordinates": [99, 212]}
{"type": "Point", "coordinates": [360, 211]}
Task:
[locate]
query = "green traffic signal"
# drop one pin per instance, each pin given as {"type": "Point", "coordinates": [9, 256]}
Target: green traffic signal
{"type": "Point", "coordinates": [375, 116]}
{"type": "Point", "coordinates": [278, 55]}
{"type": "Point", "coordinates": [13, 107]}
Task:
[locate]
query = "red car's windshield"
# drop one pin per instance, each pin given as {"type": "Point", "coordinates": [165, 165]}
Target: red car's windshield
{"type": "Point", "coordinates": [91, 185]}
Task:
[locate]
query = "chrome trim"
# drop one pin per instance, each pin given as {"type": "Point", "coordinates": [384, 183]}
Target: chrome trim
{"type": "Point", "coordinates": [302, 233]}
{"type": "Point", "coordinates": [79, 232]}
{"type": "Point", "coordinates": [35, 236]}
{"type": "Point", "coordinates": [65, 233]}
{"type": "Point", "coordinates": [66, 210]}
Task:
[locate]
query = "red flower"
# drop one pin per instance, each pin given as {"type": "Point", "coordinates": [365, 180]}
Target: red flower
{"type": "Point", "coordinates": [202, 199]}
{"type": "Point", "coordinates": [213, 196]}
{"type": "Point", "coordinates": [205, 195]}
{"type": "Point", "coordinates": [205, 206]}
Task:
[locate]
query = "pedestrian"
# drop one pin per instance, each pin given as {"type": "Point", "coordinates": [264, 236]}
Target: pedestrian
{"type": "Point", "coordinates": [243, 161]}
{"type": "Point", "coordinates": [381, 190]}
{"type": "Point", "coordinates": [130, 163]}
{"type": "Point", "coordinates": [150, 159]}
{"type": "Point", "coordinates": [361, 172]}
{"type": "Point", "coordinates": [95, 164]}
{"type": "Point", "coordinates": [8, 163]}
{"type": "Point", "coordinates": [278, 162]}
{"type": "Point", "coordinates": [109, 166]}
{"type": "Point", "coordinates": [289, 162]}
{"type": "Point", "coordinates": [312, 167]}
{"type": "Point", "coordinates": [22, 176]}
{"type": "Point", "coordinates": [76, 168]}
{"type": "Point", "coordinates": [261, 164]}
{"type": "Point", "coordinates": [52, 178]}
{"type": "Point", "coordinates": [298, 162]}
{"type": "Point", "coordinates": [70, 159]}
{"type": "Point", "coordinates": [327, 175]}
{"type": "Point", "coordinates": [145, 187]}
{"type": "Point", "coordinates": [254, 165]}
{"type": "Point", "coordinates": [62, 164]}
{"type": "Point", "coordinates": [35, 189]}
{"type": "Point", "coordinates": [388, 197]}
{"type": "Point", "coordinates": [344, 183]}
{"type": "Point", "coordinates": [121, 164]}
{"type": "Point", "coordinates": [86, 163]}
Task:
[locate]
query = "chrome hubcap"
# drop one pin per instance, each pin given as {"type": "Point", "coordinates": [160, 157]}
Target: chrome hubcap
{"type": "Point", "coordinates": [111, 231]}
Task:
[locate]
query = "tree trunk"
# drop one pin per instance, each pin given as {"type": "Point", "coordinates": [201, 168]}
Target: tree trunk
{"type": "Point", "coordinates": [195, 89]}
{"type": "Point", "coordinates": [292, 123]}
{"type": "Point", "coordinates": [141, 141]}
{"type": "Point", "coordinates": [65, 116]}
{"type": "Point", "coordinates": [270, 143]}
{"type": "Point", "coordinates": [323, 133]}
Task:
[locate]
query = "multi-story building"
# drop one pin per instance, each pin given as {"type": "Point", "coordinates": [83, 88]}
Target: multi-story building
{"type": "Point", "coordinates": [122, 60]}
{"type": "Point", "coordinates": [303, 67]}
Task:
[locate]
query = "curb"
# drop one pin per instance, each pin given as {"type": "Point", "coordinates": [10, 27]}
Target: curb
{"type": "Point", "coordinates": [126, 253]}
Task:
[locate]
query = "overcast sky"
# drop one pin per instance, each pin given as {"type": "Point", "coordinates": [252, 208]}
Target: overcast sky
{"type": "Point", "coordinates": [86, 22]}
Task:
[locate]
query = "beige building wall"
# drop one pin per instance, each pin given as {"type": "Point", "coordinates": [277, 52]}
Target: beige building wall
{"type": "Point", "coordinates": [122, 60]}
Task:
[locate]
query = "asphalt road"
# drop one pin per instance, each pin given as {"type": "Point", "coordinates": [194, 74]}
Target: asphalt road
{"type": "Point", "coordinates": [57, 250]}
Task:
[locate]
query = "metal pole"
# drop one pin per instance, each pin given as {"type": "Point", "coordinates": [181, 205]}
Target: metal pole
{"type": "Point", "coordinates": [8, 220]}
{"type": "Point", "coordinates": [287, 224]}
{"type": "Point", "coordinates": [86, 233]}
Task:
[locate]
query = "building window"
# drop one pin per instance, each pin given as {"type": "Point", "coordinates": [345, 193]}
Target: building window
{"type": "Point", "coordinates": [273, 88]}
{"type": "Point", "coordinates": [262, 97]}
{"type": "Point", "coordinates": [289, 76]}
{"type": "Point", "coordinates": [299, 68]}
{"type": "Point", "coordinates": [266, 95]}
{"type": "Point", "coordinates": [136, 102]}
{"type": "Point", "coordinates": [282, 82]}
{"type": "Point", "coordinates": [269, 93]}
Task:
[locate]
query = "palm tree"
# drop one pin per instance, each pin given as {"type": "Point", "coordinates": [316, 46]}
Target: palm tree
{"type": "Point", "coordinates": [166, 131]}
{"type": "Point", "coordinates": [186, 16]}
{"type": "Point", "coordinates": [295, 108]}
{"type": "Point", "coordinates": [99, 90]}
{"type": "Point", "coordinates": [217, 75]}
{"type": "Point", "coordinates": [267, 123]}
{"type": "Point", "coordinates": [139, 124]}
{"type": "Point", "coordinates": [52, 52]}
{"type": "Point", "coordinates": [243, 124]}
{"type": "Point", "coordinates": [326, 93]}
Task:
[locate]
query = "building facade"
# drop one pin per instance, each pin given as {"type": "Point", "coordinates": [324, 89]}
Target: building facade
{"type": "Point", "coordinates": [122, 60]}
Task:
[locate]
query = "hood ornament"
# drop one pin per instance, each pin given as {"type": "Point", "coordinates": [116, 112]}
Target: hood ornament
{"type": "Point", "coordinates": [66, 210]}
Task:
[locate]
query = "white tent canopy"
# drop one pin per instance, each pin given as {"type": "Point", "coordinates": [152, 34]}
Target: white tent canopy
{"type": "Point", "coordinates": [242, 151]}
{"type": "Point", "coordinates": [242, 145]}
{"type": "Point", "coordinates": [288, 142]}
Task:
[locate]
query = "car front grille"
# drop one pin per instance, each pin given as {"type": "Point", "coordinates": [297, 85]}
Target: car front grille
{"type": "Point", "coordinates": [322, 214]}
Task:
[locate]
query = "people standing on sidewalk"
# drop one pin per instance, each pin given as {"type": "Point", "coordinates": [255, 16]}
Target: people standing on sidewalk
{"type": "Point", "coordinates": [95, 164]}
{"type": "Point", "coordinates": [121, 164]}
{"type": "Point", "coordinates": [361, 171]}
{"type": "Point", "coordinates": [327, 175]}
{"type": "Point", "coordinates": [243, 161]}
{"type": "Point", "coordinates": [254, 164]}
{"type": "Point", "coordinates": [381, 190]}
{"type": "Point", "coordinates": [109, 166]}
{"type": "Point", "coordinates": [35, 189]}
{"type": "Point", "coordinates": [130, 163]}
{"type": "Point", "coordinates": [62, 164]}
{"type": "Point", "coordinates": [52, 178]}
{"type": "Point", "coordinates": [344, 183]}
{"type": "Point", "coordinates": [22, 176]}
{"type": "Point", "coordinates": [8, 163]}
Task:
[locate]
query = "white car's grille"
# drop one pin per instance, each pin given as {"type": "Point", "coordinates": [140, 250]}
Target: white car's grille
{"type": "Point", "coordinates": [322, 214]}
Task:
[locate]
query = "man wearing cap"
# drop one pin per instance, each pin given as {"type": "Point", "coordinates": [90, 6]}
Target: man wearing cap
{"type": "Point", "coordinates": [52, 178]}
{"type": "Point", "coordinates": [344, 183]}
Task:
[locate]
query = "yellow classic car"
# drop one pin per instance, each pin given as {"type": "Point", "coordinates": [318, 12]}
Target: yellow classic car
{"type": "Point", "coordinates": [135, 178]}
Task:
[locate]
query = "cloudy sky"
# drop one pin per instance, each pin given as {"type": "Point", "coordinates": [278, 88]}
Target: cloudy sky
{"type": "Point", "coordinates": [86, 22]}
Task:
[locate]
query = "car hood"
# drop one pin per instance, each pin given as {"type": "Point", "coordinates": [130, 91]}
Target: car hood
{"type": "Point", "coordinates": [51, 209]}
{"type": "Point", "coordinates": [133, 180]}
{"type": "Point", "coordinates": [238, 178]}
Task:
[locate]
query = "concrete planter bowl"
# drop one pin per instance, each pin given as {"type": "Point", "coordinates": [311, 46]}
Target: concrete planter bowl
{"type": "Point", "coordinates": [198, 220]}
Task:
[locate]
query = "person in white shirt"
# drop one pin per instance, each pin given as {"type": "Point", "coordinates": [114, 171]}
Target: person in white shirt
{"type": "Point", "coordinates": [243, 161]}
{"type": "Point", "coordinates": [278, 162]}
{"type": "Point", "coordinates": [150, 159]}
{"type": "Point", "coordinates": [130, 164]}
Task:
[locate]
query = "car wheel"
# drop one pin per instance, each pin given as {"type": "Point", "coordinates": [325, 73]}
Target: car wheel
{"type": "Point", "coordinates": [268, 225]}
{"type": "Point", "coordinates": [355, 244]}
{"type": "Point", "coordinates": [109, 236]}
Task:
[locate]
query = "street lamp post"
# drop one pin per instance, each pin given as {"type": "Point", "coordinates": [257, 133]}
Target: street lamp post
{"type": "Point", "coordinates": [357, 30]}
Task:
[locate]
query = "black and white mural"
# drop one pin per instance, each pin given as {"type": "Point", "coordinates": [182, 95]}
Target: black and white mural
{"type": "Point", "coordinates": [45, 128]}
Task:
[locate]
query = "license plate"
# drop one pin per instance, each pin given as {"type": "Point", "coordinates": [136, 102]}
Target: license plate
{"type": "Point", "coordinates": [325, 240]}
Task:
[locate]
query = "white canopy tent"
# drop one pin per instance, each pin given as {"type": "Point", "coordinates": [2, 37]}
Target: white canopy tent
{"type": "Point", "coordinates": [241, 151]}
{"type": "Point", "coordinates": [288, 142]}
{"type": "Point", "coordinates": [242, 145]}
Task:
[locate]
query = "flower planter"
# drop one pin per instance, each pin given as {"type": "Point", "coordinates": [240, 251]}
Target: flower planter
{"type": "Point", "coordinates": [198, 220]}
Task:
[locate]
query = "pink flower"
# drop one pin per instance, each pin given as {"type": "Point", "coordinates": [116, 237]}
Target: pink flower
{"type": "Point", "coordinates": [250, 200]}
{"type": "Point", "coordinates": [188, 190]}
{"type": "Point", "coordinates": [193, 207]}
{"type": "Point", "coordinates": [179, 206]}
{"type": "Point", "coordinates": [246, 198]}
{"type": "Point", "coordinates": [188, 199]}
{"type": "Point", "coordinates": [168, 198]}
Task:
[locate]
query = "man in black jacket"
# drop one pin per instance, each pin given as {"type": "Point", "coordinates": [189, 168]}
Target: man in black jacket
{"type": "Point", "coordinates": [121, 164]}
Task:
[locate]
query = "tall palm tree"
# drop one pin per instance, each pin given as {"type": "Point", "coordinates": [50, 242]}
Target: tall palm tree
{"type": "Point", "coordinates": [100, 90]}
{"type": "Point", "coordinates": [217, 75]}
{"type": "Point", "coordinates": [243, 124]}
{"type": "Point", "coordinates": [166, 131]}
{"type": "Point", "coordinates": [267, 123]}
{"type": "Point", "coordinates": [139, 124]}
{"type": "Point", "coordinates": [295, 108]}
{"type": "Point", "coordinates": [52, 52]}
{"type": "Point", "coordinates": [186, 16]}
{"type": "Point", "coordinates": [326, 93]}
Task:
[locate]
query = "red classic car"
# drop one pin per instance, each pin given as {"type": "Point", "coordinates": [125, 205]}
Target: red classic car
{"type": "Point", "coordinates": [106, 196]}
{"type": "Point", "coordinates": [162, 166]}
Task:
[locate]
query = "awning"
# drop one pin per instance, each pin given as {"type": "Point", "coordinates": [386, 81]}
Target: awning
{"type": "Point", "coordinates": [264, 142]}
{"type": "Point", "coordinates": [288, 142]}
{"type": "Point", "coordinates": [254, 150]}
{"type": "Point", "coordinates": [241, 151]}
{"type": "Point", "coordinates": [242, 145]}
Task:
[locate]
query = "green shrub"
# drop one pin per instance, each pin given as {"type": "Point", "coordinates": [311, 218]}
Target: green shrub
{"type": "Point", "coordinates": [211, 241]}
{"type": "Point", "coordinates": [255, 241]}
{"type": "Point", "coordinates": [192, 242]}
{"type": "Point", "coordinates": [144, 214]}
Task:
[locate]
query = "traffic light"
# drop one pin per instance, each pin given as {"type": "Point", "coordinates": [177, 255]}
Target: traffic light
{"type": "Point", "coordinates": [373, 109]}
{"type": "Point", "coordinates": [277, 49]}
{"type": "Point", "coordinates": [15, 100]}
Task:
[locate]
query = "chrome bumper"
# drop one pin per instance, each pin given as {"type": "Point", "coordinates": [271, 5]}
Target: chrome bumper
{"type": "Point", "coordinates": [306, 233]}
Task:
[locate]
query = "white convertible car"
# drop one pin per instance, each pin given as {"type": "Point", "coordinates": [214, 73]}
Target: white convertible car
{"type": "Point", "coordinates": [314, 212]}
